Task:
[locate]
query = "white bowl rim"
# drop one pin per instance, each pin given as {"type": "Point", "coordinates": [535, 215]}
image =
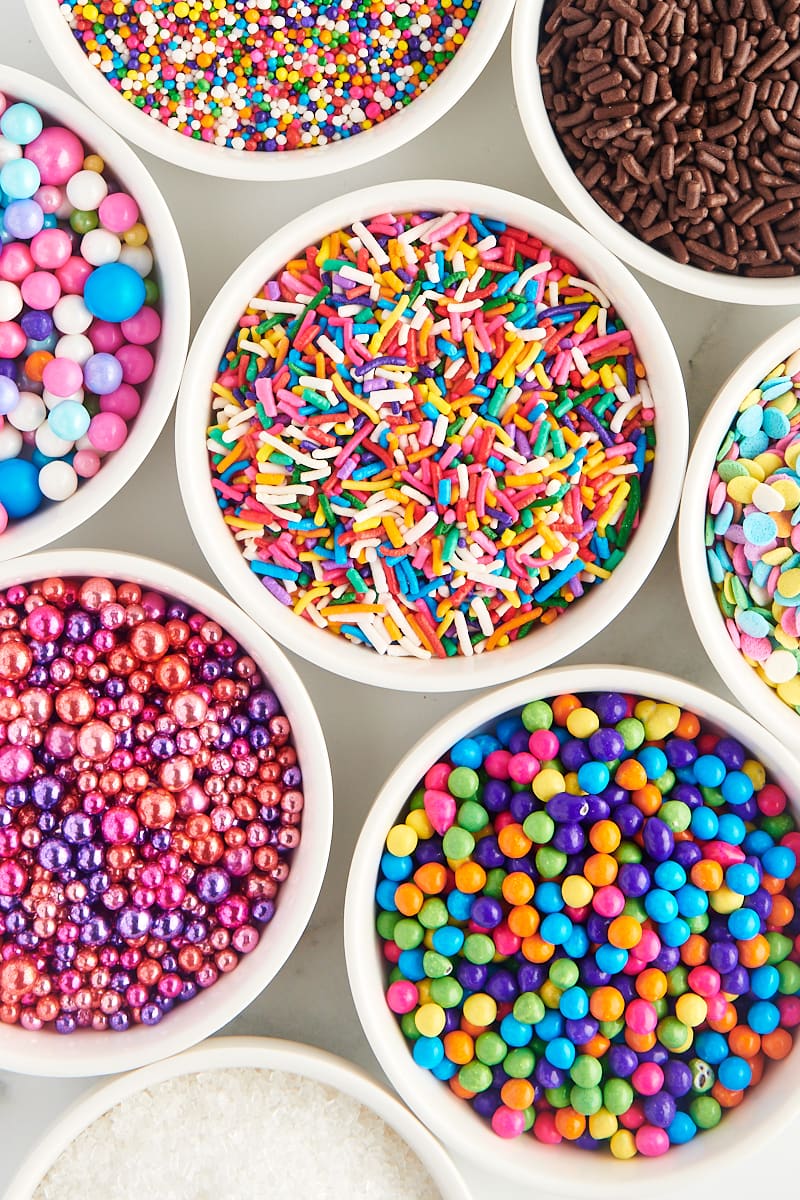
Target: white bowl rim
{"type": "Point", "coordinates": [736, 289]}
{"type": "Point", "coordinates": [232, 1053]}
{"type": "Point", "coordinates": [562, 1169]}
{"type": "Point", "coordinates": [89, 1052]}
{"type": "Point", "coordinates": [700, 593]}
{"type": "Point", "coordinates": [55, 520]}
{"type": "Point", "coordinates": [592, 612]}
{"type": "Point", "coordinates": [150, 134]}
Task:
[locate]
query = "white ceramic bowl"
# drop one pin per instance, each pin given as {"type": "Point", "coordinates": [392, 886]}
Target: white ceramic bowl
{"type": "Point", "coordinates": [751, 691]}
{"type": "Point", "coordinates": [277, 166]}
{"type": "Point", "coordinates": [219, 1054]}
{"type": "Point", "coordinates": [716, 285]}
{"type": "Point", "coordinates": [158, 394]}
{"type": "Point", "coordinates": [543, 645]}
{"type": "Point", "coordinates": [89, 1052]}
{"type": "Point", "coordinates": [561, 1169]}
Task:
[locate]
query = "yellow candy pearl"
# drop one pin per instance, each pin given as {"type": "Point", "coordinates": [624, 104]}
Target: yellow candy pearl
{"type": "Point", "coordinates": [480, 1009]}
{"type": "Point", "coordinates": [622, 1144]}
{"type": "Point", "coordinates": [419, 821]}
{"type": "Point", "coordinates": [547, 784]}
{"type": "Point", "coordinates": [583, 722]}
{"type": "Point", "coordinates": [430, 1020]}
{"type": "Point", "coordinates": [550, 994]}
{"type": "Point", "coordinates": [603, 1125]}
{"type": "Point", "coordinates": [401, 841]}
{"type": "Point", "coordinates": [723, 900]}
{"type": "Point", "coordinates": [577, 891]}
{"type": "Point", "coordinates": [662, 721]}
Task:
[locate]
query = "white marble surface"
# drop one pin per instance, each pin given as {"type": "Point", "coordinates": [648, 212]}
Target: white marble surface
{"type": "Point", "coordinates": [221, 222]}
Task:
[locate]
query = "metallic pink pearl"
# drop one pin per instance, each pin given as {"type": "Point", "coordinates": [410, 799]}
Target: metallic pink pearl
{"type": "Point", "coordinates": [192, 800]}
{"type": "Point", "coordinates": [171, 893]}
{"type": "Point", "coordinates": [239, 861]}
{"type": "Point", "coordinates": [19, 731]}
{"type": "Point", "coordinates": [245, 939]}
{"type": "Point", "coordinates": [16, 764]}
{"type": "Point", "coordinates": [120, 825]}
{"type": "Point", "coordinates": [13, 878]}
{"type": "Point", "coordinates": [61, 741]}
{"type": "Point", "coordinates": [233, 911]}
{"type": "Point", "coordinates": [45, 623]}
{"type": "Point", "coordinates": [9, 842]}
{"type": "Point", "coordinates": [96, 741]}
{"type": "Point", "coordinates": [36, 704]}
{"type": "Point", "coordinates": [15, 660]}
{"type": "Point", "coordinates": [189, 708]}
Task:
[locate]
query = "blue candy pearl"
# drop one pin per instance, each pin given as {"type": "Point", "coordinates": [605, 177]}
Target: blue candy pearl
{"type": "Point", "coordinates": [20, 179]}
{"type": "Point", "coordinates": [113, 292]}
{"type": "Point", "coordinates": [21, 123]}
{"type": "Point", "coordinates": [69, 420]}
{"type": "Point", "coordinates": [20, 494]}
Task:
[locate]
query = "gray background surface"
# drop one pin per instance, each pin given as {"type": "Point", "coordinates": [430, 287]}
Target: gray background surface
{"type": "Point", "coordinates": [368, 730]}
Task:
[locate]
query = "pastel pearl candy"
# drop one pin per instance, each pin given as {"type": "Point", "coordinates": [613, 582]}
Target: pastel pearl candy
{"type": "Point", "coordinates": [58, 153]}
{"type": "Point", "coordinates": [57, 480]}
{"type": "Point", "coordinates": [107, 432]}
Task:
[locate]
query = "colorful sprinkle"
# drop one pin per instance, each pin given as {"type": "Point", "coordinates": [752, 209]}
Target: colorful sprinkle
{"type": "Point", "coordinates": [280, 75]}
{"type": "Point", "coordinates": [600, 947]}
{"type": "Point", "coordinates": [431, 434]}
{"type": "Point", "coordinates": [753, 533]}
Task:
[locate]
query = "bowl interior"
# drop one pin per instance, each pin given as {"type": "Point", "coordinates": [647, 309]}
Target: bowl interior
{"type": "Point", "coordinates": [547, 150]}
{"type": "Point", "coordinates": [158, 394]}
{"type": "Point", "coordinates": [562, 1168]}
{"type": "Point", "coordinates": [486, 32]}
{"type": "Point", "coordinates": [544, 644]}
{"type": "Point", "coordinates": [90, 1052]}
{"type": "Point", "coordinates": [700, 593]}
{"type": "Point", "coordinates": [232, 1053]}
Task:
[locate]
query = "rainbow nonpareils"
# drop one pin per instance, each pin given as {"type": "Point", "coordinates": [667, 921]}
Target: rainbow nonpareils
{"type": "Point", "coordinates": [150, 802]}
{"type": "Point", "coordinates": [431, 434]}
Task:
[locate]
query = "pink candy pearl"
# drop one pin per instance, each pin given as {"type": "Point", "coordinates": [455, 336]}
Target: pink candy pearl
{"type": "Point", "coordinates": [16, 261]}
{"type": "Point", "coordinates": [86, 463]}
{"type": "Point", "coordinates": [45, 623]}
{"type": "Point", "coordinates": [13, 878]}
{"type": "Point", "coordinates": [58, 153]}
{"type": "Point", "coordinates": [144, 328]}
{"type": "Point", "coordinates": [544, 744]}
{"type": "Point", "coordinates": [647, 1079]}
{"type": "Point", "coordinates": [16, 763]}
{"type": "Point", "coordinates": [73, 275]}
{"type": "Point", "coordinates": [49, 198]}
{"type": "Point", "coordinates": [402, 996]}
{"type": "Point", "coordinates": [120, 825]}
{"type": "Point", "coordinates": [508, 1122]}
{"type": "Point", "coordinates": [505, 941]}
{"type": "Point", "coordinates": [137, 363]}
{"type": "Point", "coordinates": [12, 339]}
{"type": "Point", "coordinates": [41, 290]}
{"type": "Point", "coordinates": [790, 1011]}
{"type": "Point", "coordinates": [124, 401]}
{"type": "Point", "coordinates": [62, 376]}
{"type": "Point", "coordinates": [51, 248]}
{"type": "Point", "coordinates": [641, 1016]}
{"type": "Point", "coordinates": [497, 764]}
{"type": "Point", "coordinates": [3, 518]}
{"type": "Point", "coordinates": [105, 337]}
{"type": "Point", "coordinates": [717, 1006]}
{"type": "Point", "coordinates": [118, 212]}
{"type": "Point", "coordinates": [523, 768]}
{"type": "Point", "coordinates": [107, 432]}
{"type": "Point", "coordinates": [608, 901]}
{"type": "Point", "coordinates": [649, 946]}
{"type": "Point", "coordinates": [651, 1141]}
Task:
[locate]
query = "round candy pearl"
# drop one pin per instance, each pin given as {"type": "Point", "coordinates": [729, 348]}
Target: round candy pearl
{"type": "Point", "coordinates": [103, 374]}
{"type": "Point", "coordinates": [51, 249]}
{"type": "Point", "coordinates": [124, 401]}
{"type": "Point", "coordinates": [57, 480]}
{"type": "Point", "coordinates": [23, 219]}
{"type": "Point", "coordinates": [22, 123]}
{"type": "Point", "coordinates": [12, 339]}
{"type": "Point", "coordinates": [28, 413]}
{"type": "Point", "coordinates": [73, 275]}
{"type": "Point", "coordinates": [19, 487]}
{"type": "Point", "coordinates": [75, 346]}
{"type": "Point", "coordinates": [138, 258]}
{"type": "Point", "coordinates": [144, 328]}
{"type": "Point", "coordinates": [137, 363]}
{"type": "Point", "coordinates": [86, 464]}
{"type": "Point", "coordinates": [9, 395]}
{"type": "Point", "coordinates": [20, 179]}
{"type": "Point", "coordinates": [62, 376]}
{"type": "Point", "coordinates": [71, 315]}
{"type": "Point", "coordinates": [107, 432]}
{"type": "Point", "coordinates": [58, 153]}
{"type": "Point", "coordinates": [114, 292]}
{"type": "Point", "coordinates": [86, 190]}
{"type": "Point", "coordinates": [10, 442]}
{"type": "Point", "coordinates": [118, 212]}
{"type": "Point", "coordinates": [69, 420]}
{"type": "Point", "coordinates": [16, 261]}
{"type": "Point", "coordinates": [99, 247]}
{"type": "Point", "coordinates": [49, 444]}
{"type": "Point", "coordinates": [10, 301]}
{"type": "Point", "coordinates": [41, 290]}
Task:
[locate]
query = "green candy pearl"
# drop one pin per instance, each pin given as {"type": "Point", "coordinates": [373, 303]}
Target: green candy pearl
{"type": "Point", "coordinates": [408, 933]}
{"type": "Point", "coordinates": [408, 1026]}
{"type": "Point", "coordinates": [539, 827]}
{"type": "Point", "coordinates": [457, 843]}
{"type": "Point", "coordinates": [490, 1049]}
{"type": "Point", "coordinates": [463, 783]}
{"type": "Point", "coordinates": [446, 992]}
{"type": "Point", "coordinates": [528, 1008]}
{"type": "Point", "coordinates": [537, 715]}
{"type": "Point", "coordinates": [586, 1100]}
{"type": "Point", "coordinates": [586, 1072]}
{"type": "Point", "coordinates": [617, 1096]}
{"type": "Point", "coordinates": [705, 1111]}
{"type": "Point", "coordinates": [519, 1063]}
{"type": "Point", "coordinates": [628, 852]}
{"type": "Point", "coordinates": [433, 914]}
{"type": "Point", "coordinates": [472, 816]}
{"type": "Point", "coordinates": [632, 732]}
{"type": "Point", "coordinates": [436, 966]}
{"type": "Point", "coordinates": [564, 973]}
{"type": "Point", "coordinates": [475, 1077]}
{"type": "Point", "coordinates": [478, 948]}
{"type": "Point", "coordinates": [386, 923]}
{"type": "Point", "coordinates": [558, 1097]}
{"type": "Point", "coordinates": [675, 814]}
{"type": "Point", "coordinates": [550, 863]}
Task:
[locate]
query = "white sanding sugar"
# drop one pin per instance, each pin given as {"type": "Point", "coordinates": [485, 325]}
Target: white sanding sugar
{"type": "Point", "coordinates": [236, 1135]}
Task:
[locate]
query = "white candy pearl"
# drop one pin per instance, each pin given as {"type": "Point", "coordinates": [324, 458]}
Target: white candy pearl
{"type": "Point", "coordinates": [29, 413]}
{"type": "Point", "coordinates": [10, 442]}
{"type": "Point", "coordinates": [87, 190]}
{"type": "Point", "coordinates": [8, 151]}
{"type": "Point", "coordinates": [49, 444]}
{"type": "Point", "coordinates": [75, 346]}
{"type": "Point", "coordinates": [10, 300]}
{"type": "Point", "coordinates": [99, 246]}
{"type": "Point", "coordinates": [138, 257]}
{"type": "Point", "coordinates": [58, 481]}
{"type": "Point", "coordinates": [51, 401]}
{"type": "Point", "coordinates": [71, 315]}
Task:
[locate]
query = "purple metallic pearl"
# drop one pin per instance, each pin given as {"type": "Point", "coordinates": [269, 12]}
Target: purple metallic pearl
{"type": "Point", "coordinates": [120, 981]}
{"type": "Point", "coordinates": [78, 627]}
{"type": "Point", "coordinates": [6, 816]}
{"type": "Point", "coordinates": [133, 923]}
{"type": "Point", "coordinates": [46, 791]}
{"type": "Point", "coordinates": [239, 723]}
{"type": "Point", "coordinates": [162, 747]}
{"type": "Point", "coordinates": [16, 922]}
{"type": "Point", "coordinates": [95, 931]}
{"type": "Point", "coordinates": [77, 827]}
{"type": "Point", "coordinates": [263, 704]}
{"type": "Point", "coordinates": [161, 839]}
{"type": "Point", "coordinates": [168, 925]}
{"type": "Point", "coordinates": [47, 822]}
{"type": "Point", "coordinates": [195, 931]}
{"type": "Point", "coordinates": [54, 854]}
{"type": "Point", "coordinates": [119, 1021]}
{"type": "Point", "coordinates": [65, 1023]}
{"type": "Point", "coordinates": [292, 777]}
{"type": "Point", "coordinates": [16, 795]}
{"type": "Point", "coordinates": [89, 857]}
{"type": "Point", "coordinates": [188, 991]}
{"type": "Point", "coordinates": [259, 737]}
{"type": "Point", "coordinates": [213, 885]}
{"type": "Point", "coordinates": [263, 911]}
{"type": "Point", "coordinates": [99, 882]}
{"type": "Point", "coordinates": [151, 1014]}
{"type": "Point", "coordinates": [165, 1003]}
{"type": "Point", "coordinates": [43, 652]}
